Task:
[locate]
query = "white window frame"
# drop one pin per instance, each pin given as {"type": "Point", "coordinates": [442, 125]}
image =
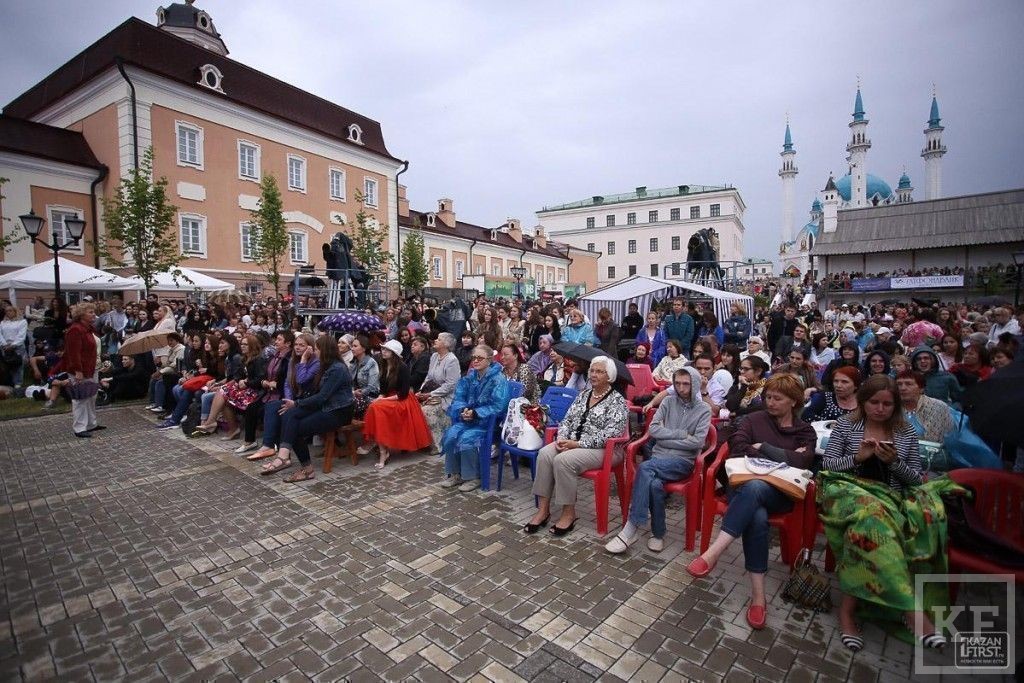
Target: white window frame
{"type": "Point", "coordinates": [341, 195]}
{"type": "Point", "coordinates": [243, 227]}
{"type": "Point", "coordinates": [496, 268]}
{"type": "Point", "coordinates": [437, 267]}
{"type": "Point", "coordinates": [201, 220]}
{"type": "Point", "coordinates": [305, 247]}
{"type": "Point", "coordinates": [180, 126]}
{"type": "Point", "coordinates": [371, 198]}
{"type": "Point", "coordinates": [255, 160]}
{"type": "Point", "coordinates": [355, 134]}
{"type": "Point", "coordinates": [479, 269]}
{"type": "Point", "coordinates": [302, 160]}
{"type": "Point", "coordinates": [63, 234]}
{"type": "Point", "coordinates": [460, 268]}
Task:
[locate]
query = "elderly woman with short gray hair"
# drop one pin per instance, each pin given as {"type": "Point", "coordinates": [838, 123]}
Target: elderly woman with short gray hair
{"type": "Point", "coordinates": [438, 389]}
{"type": "Point", "coordinates": [597, 415]}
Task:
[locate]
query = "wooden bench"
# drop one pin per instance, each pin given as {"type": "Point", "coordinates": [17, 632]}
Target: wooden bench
{"type": "Point", "coordinates": [349, 432]}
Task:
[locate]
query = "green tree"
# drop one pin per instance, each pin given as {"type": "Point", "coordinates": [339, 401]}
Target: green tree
{"type": "Point", "coordinates": [414, 272]}
{"type": "Point", "coordinates": [370, 244]}
{"type": "Point", "coordinates": [268, 237]}
{"type": "Point", "coordinates": [6, 239]}
{"type": "Point", "coordinates": [140, 226]}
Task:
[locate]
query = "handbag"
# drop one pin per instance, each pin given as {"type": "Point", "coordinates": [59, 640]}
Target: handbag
{"type": "Point", "coordinates": [790, 480]}
{"type": "Point", "coordinates": [806, 586]}
{"type": "Point", "coordinates": [84, 389]}
{"type": "Point", "coordinates": [196, 383]}
{"type": "Point", "coordinates": [11, 356]}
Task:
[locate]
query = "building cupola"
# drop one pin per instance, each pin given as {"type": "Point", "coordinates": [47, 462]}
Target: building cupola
{"type": "Point", "coordinates": [187, 21]}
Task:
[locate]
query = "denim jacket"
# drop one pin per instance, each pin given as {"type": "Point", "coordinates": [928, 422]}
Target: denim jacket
{"type": "Point", "coordinates": [335, 390]}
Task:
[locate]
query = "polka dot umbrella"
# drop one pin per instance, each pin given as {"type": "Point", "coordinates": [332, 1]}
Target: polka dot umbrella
{"type": "Point", "coordinates": [351, 322]}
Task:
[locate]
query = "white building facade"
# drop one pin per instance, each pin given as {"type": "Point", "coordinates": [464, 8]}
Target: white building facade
{"type": "Point", "coordinates": [645, 232]}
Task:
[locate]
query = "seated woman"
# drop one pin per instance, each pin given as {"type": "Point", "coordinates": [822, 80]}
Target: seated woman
{"type": "Point", "coordinates": [577, 374]}
{"type": "Point", "coordinates": [540, 361]}
{"type": "Point", "coordinates": [871, 499]}
{"type": "Point", "coordinates": [799, 367]}
{"type": "Point", "coordinates": [849, 355]}
{"type": "Point", "coordinates": [482, 393]}
{"type": "Point", "coordinates": [673, 360]}
{"type": "Point", "coordinates": [241, 394]}
{"type": "Point", "coordinates": [876, 363]}
{"type": "Point", "coordinates": [641, 355]}
{"type": "Point", "coordinates": [678, 431]}
{"type": "Point", "coordinates": [463, 352]}
{"type": "Point", "coordinates": [328, 409]}
{"type": "Point", "coordinates": [832, 405]}
{"type": "Point", "coordinates": [974, 366]}
{"type": "Point", "coordinates": [419, 362]}
{"type": "Point", "coordinates": [747, 394]}
{"type": "Point", "coordinates": [365, 376]}
{"type": "Point", "coordinates": [776, 433]}
{"type": "Point", "coordinates": [929, 417]}
{"type": "Point", "coordinates": [595, 416]}
{"type": "Point", "coordinates": [517, 371]}
{"type": "Point", "coordinates": [394, 421]}
{"type": "Point", "coordinates": [554, 373]}
{"type": "Point", "coordinates": [303, 369]}
{"type": "Point", "coordinates": [272, 388]}
{"type": "Point", "coordinates": [435, 396]}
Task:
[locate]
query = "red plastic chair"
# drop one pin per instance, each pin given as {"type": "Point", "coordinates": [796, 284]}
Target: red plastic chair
{"type": "Point", "coordinates": [602, 478]}
{"type": "Point", "coordinates": [999, 501]}
{"type": "Point", "coordinates": [790, 524]}
{"type": "Point", "coordinates": [689, 488]}
{"type": "Point", "coordinates": [643, 384]}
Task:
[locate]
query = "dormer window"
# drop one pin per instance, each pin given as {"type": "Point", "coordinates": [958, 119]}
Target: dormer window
{"type": "Point", "coordinates": [211, 77]}
{"type": "Point", "coordinates": [160, 17]}
{"type": "Point", "coordinates": [204, 21]}
{"type": "Point", "coordinates": [355, 134]}
{"type": "Point", "coordinates": [431, 220]}
{"type": "Point", "coordinates": [494, 235]}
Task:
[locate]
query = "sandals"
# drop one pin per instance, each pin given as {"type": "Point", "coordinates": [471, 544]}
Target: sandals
{"type": "Point", "coordinates": [262, 454]}
{"type": "Point", "coordinates": [304, 474]}
{"type": "Point", "coordinates": [529, 528]}
{"type": "Point", "coordinates": [382, 465]}
{"type": "Point", "coordinates": [560, 531]}
{"type": "Point", "coordinates": [232, 436]}
{"type": "Point", "coordinates": [276, 465]}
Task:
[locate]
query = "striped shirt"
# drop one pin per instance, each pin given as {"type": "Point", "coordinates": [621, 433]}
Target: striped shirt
{"type": "Point", "coordinates": [845, 441]}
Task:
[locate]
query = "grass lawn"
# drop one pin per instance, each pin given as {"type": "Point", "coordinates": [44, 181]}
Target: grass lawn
{"type": "Point", "coordinates": [14, 408]}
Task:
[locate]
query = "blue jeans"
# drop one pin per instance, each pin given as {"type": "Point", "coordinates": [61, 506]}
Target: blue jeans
{"type": "Point", "coordinates": [649, 490]}
{"type": "Point", "coordinates": [207, 403]}
{"type": "Point", "coordinates": [184, 399]}
{"type": "Point", "coordinates": [157, 392]}
{"type": "Point", "coordinates": [747, 516]}
{"type": "Point", "coordinates": [300, 424]}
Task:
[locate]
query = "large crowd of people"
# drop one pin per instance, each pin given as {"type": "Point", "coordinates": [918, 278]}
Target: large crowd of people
{"type": "Point", "coordinates": [432, 378]}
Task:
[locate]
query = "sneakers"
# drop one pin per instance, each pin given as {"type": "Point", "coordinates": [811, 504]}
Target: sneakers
{"type": "Point", "coordinates": [619, 544]}
{"type": "Point", "coordinates": [470, 485]}
{"type": "Point", "coordinates": [48, 405]}
{"type": "Point", "coordinates": [155, 409]}
{"type": "Point", "coordinates": [246, 447]}
{"type": "Point", "coordinates": [655, 545]}
{"type": "Point", "coordinates": [451, 482]}
{"type": "Point", "coordinates": [167, 424]}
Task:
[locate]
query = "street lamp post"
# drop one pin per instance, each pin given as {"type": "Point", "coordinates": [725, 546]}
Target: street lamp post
{"type": "Point", "coordinates": [518, 272]}
{"type": "Point", "coordinates": [1018, 260]}
{"type": "Point", "coordinates": [33, 225]}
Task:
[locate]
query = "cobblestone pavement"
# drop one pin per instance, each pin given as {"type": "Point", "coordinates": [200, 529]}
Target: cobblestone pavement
{"type": "Point", "coordinates": [141, 555]}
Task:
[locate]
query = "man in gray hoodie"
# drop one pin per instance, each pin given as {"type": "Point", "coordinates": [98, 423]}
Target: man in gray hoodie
{"type": "Point", "coordinates": [678, 430]}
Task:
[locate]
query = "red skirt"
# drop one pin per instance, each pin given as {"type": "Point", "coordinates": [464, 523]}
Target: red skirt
{"type": "Point", "coordinates": [397, 425]}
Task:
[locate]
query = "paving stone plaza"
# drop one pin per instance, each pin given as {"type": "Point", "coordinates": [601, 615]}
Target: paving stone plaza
{"type": "Point", "coordinates": [140, 555]}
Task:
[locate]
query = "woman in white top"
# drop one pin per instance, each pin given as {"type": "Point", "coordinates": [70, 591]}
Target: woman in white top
{"type": "Point", "coordinates": [438, 389]}
{"type": "Point", "coordinates": [673, 360]}
{"type": "Point", "coordinates": [13, 332]}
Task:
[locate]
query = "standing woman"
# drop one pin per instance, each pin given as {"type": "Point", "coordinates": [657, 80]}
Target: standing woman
{"type": "Point", "coordinates": [394, 421]}
{"type": "Point", "coordinates": [516, 325]}
{"type": "Point", "coordinates": [709, 326]}
{"type": "Point", "coordinates": [13, 333]}
{"type": "Point", "coordinates": [738, 327]}
{"type": "Point", "coordinates": [328, 409]}
{"type": "Point", "coordinates": [607, 333]}
{"type": "Point", "coordinates": [80, 362]}
{"type": "Point", "coordinates": [652, 335]}
{"type": "Point", "coordinates": [439, 387]}
{"type": "Point", "coordinates": [488, 332]}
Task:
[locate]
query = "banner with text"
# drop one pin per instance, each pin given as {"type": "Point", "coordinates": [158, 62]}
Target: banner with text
{"type": "Point", "coordinates": [869, 284]}
{"type": "Point", "coordinates": [927, 281]}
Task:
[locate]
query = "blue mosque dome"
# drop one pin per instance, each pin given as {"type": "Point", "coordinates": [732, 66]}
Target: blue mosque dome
{"type": "Point", "coordinates": [875, 186]}
{"type": "Point", "coordinates": [816, 206]}
{"type": "Point", "coordinates": [904, 182]}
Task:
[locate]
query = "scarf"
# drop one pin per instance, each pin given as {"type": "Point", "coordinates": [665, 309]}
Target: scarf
{"type": "Point", "coordinates": [753, 391]}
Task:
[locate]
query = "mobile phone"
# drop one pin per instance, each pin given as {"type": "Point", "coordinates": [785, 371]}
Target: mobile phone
{"type": "Point", "coordinates": [888, 443]}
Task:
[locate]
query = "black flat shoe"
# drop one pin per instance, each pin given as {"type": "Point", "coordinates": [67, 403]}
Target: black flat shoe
{"type": "Point", "coordinates": [534, 528]}
{"type": "Point", "coordinates": [559, 531]}
{"type": "Point", "coordinates": [83, 435]}
{"type": "Point", "coordinates": [96, 428]}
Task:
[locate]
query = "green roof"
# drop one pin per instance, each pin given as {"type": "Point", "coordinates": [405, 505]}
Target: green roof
{"type": "Point", "coordinates": [639, 193]}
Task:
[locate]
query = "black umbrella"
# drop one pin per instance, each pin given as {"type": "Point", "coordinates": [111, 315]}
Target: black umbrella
{"type": "Point", "coordinates": [992, 404]}
{"type": "Point", "coordinates": [589, 353]}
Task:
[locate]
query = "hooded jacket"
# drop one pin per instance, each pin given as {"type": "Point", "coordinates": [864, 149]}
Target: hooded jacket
{"type": "Point", "coordinates": [680, 426]}
{"type": "Point", "coordinates": [937, 382]}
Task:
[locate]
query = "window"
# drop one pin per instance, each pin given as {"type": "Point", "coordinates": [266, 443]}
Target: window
{"type": "Point", "coordinates": [631, 218]}
{"type": "Point", "coordinates": [297, 247]}
{"type": "Point", "coordinates": [246, 232]}
{"type": "Point", "coordinates": [652, 216]}
{"type": "Point", "coordinates": [611, 272]}
{"type": "Point", "coordinates": [654, 244]}
{"type": "Point", "coordinates": [355, 134]}
{"type": "Point", "coordinates": [431, 220]}
{"type": "Point", "coordinates": [611, 248]}
{"type": "Point", "coordinates": [193, 235]}
{"type": "Point", "coordinates": [673, 214]}
{"type": "Point", "coordinates": [675, 242]}
{"type": "Point", "coordinates": [631, 247]}
{"type": "Point", "coordinates": [248, 161]}
{"type": "Point", "coordinates": [460, 269]}
{"type": "Point", "coordinates": [437, 268]}
{"type": "Point", "coordinates": [694, 212]}
{"type": "Point", "coordinates": [654, 269]}
{"type": "Point", "coordinates": [296, 173]}
{"type": "Point", "coordinates": [211, 77]}
{"type": "Point", "coordinates": [591, 222]}
{"type": "Point", "coordinates": [675, 269]}
{"type": "Point", "coordinates": [590, 246]}
{"type": "Point", "coordinates": [338, 184]}
{"type": "Point", "coordinates": [716, 210]}
{"type": "Point", "coordinates": [609, 220]}
{"type": "Point", "coordinates": [495, 269]}
{"type": "Point", "coordinates": [370, 191]}
{"type": "Point", "coordinates": [190, 145]}
{"type": "Point", "coordinates": [632, 270]}
{"type": "Point", "coordinates": [57, 216]}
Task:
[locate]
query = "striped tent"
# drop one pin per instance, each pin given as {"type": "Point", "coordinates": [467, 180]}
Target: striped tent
{"type": "Point", "coordinates": [644, 291]}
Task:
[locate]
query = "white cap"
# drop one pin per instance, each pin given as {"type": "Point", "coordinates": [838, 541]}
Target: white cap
{"type": "Point", "coordinates": [394, 346]}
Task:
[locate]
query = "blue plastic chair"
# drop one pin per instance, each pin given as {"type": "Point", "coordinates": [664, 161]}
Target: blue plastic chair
{"type": "Point", "coordinates": [515, 390]}
{"type": "Point", "coordinates": [558, 400]}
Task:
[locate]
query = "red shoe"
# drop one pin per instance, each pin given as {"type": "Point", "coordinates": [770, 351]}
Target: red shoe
{"type": "Point", "coordinates": [756, 616]}
{"type": "Point", "coordinates": [699, 568]}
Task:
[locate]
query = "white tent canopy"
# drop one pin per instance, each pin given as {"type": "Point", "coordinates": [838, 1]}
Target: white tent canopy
{"type": "Point", "coordinates": [195, 282]}
{"type": "Point", "coordinates": [643, 291]}
{"type": "Point", "coordinates": [74, 276]}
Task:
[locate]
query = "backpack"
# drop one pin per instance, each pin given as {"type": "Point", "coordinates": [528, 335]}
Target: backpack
{"type": "Point", "coordinates": [191, 419]}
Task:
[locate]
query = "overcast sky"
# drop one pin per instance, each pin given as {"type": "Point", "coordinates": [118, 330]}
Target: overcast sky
{"type": "Point", "coordinates": [508, 107]}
